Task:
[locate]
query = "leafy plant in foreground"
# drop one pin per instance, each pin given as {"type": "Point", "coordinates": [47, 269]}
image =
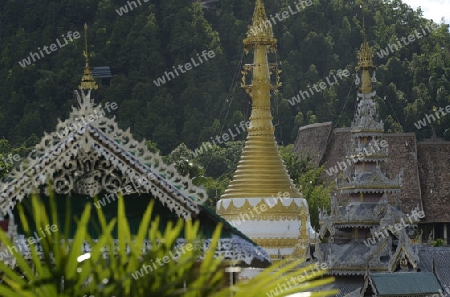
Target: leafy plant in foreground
{"type": "Point", "coordinates": [63, 269]}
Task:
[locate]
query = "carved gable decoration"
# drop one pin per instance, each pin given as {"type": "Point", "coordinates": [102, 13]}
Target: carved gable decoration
{"type": "Point", "coordinates": [94, 156]}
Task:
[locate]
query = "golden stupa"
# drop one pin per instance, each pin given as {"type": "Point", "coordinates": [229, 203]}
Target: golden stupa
{"type": "Point", "coordinates": [262, 201]}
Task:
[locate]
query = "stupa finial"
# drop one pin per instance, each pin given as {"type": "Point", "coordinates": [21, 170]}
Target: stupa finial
{"type": "Point", "coordinates": [365, 62]}
{"type": "Point", "coordinates": [261, 25]}
{"type": "Point", "coordinates": [87, 80]}
{"type": "Point", "coordinates": [366, 116]}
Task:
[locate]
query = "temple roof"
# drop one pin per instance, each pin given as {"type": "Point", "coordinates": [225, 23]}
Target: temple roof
{"type": "Point", "coordinates": [314, 149]}
{"type": "Point", "coordinates": [345, 285]}
{"type": "Point", "coordinates": [359, 214]}
{"type": "Point", "coordinates": [404, 283]}
{"type": "Point", "coordinates": [353, 258]}
{"type": "Point", "coordinates": [105, 157]}
{"type": "Point", "coordinates": [380, 254]}
{"type": "Point", "coordinates": [374, 181]}
{"type": "Point", "coordinates": [441, 258]}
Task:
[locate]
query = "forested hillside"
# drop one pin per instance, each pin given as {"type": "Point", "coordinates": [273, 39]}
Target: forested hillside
{"type": "Point", "coordinates": [143, 43]}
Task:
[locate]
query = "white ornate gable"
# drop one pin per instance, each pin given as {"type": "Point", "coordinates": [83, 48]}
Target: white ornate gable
{"type": "Point", "coordinates": [94, 156]}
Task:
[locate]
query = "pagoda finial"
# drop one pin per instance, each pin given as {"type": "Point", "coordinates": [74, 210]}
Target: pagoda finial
{"type": "Point", "coordinates": [365, 62]}
{"type": "Point", "coordinates": [261, 25]}
{"type": "Point", "coordinates": [363, 22]}
{"type": "Point", "coordinates": [366, 115]}
{"type": "Point", "coordinates": [87, 81]}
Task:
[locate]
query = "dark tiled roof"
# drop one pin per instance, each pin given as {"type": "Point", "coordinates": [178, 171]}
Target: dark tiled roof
{"type": "Point", "coordinates": [349, 258]}
{"type": "Point", "coordinates": [441, 256]}
{"type": "Point", "coordinates": [319, 133]}
{"type": "Point", "coordinates": [407, 283]}
{"type": "Point", "coordinates": [345, 285]}
{"type": "Point", "coordinates": [433, 159]}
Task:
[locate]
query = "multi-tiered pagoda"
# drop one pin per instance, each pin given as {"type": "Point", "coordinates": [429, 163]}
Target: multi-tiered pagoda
{"type": "Point", "coordinates": [360, 235]}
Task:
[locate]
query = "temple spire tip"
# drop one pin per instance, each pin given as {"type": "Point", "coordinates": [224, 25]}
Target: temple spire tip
{"type": "Point", "coordinates": [87, 80]}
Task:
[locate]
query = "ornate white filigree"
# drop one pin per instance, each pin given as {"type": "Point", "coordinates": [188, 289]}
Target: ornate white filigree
{"type": "Point", "coordinates": [368, 150]}
{"type": "Point", "coordinates": [374, 181]}
{"type": "Point", "coordinates": [366, 116]}
{"type": "Point", "coordinates": [98, 156]}
{"type": "Point", "coordinates": [234, 248]}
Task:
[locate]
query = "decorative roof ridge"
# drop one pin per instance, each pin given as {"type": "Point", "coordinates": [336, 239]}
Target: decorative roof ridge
{"type": "Point", "coordinates": [433, 142]}
{"type": "Point", "coordinates": [36, 174]}
{"type": "Point", "coordinates": [52, 144]}
{"type": "Point", "coordinates": [342, 130]}
{"type": "Point", "coordinates": [315, 125]}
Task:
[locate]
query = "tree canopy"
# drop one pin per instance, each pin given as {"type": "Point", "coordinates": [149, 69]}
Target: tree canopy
{"type": "Point", "coordinates": [149, 40]}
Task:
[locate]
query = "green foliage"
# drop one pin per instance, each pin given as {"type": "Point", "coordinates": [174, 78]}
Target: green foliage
{"type": "Point", "coordinates": [221, 161]}
{"type": "Point", "coordinates": [141, 45]}
{"type": "Point", "coordinates": [180, 152]}
{"type": "Point", "coordinates": [213, 169]}
{"type": "Point", "coordinates": [8, 155]}
{"type": "Point", "coordinates": [152, 146]}
{"type": "Point", "coordinates": [316, 191]}
{"type": "Point", "coordinates": [308, 179]}
{"type": "Point", "coordinates": [438, 242]}
{"type": "Point", "coordinates": [64, 271]}
{"type": "Point", "coordinates": [296, 164]}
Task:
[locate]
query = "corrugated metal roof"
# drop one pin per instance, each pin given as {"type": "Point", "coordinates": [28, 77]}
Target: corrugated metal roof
{"type": "Point", "coordinates": [102, 72]}
{"type": "Point", "coordinates": [405, 283]}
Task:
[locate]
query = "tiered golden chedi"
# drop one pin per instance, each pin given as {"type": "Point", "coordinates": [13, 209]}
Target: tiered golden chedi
{"type": "Point", "coordinates": [262, 200]}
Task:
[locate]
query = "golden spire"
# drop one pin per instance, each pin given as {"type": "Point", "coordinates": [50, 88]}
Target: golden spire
{"type": "Point", "coordinates": [261, 26]}
{"type": "Point", "coordinates": [87, 81]}
{"type": "Point", "coordinates": [365, 63]}
{"type": "Point", "coordinates": [260, 172]}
